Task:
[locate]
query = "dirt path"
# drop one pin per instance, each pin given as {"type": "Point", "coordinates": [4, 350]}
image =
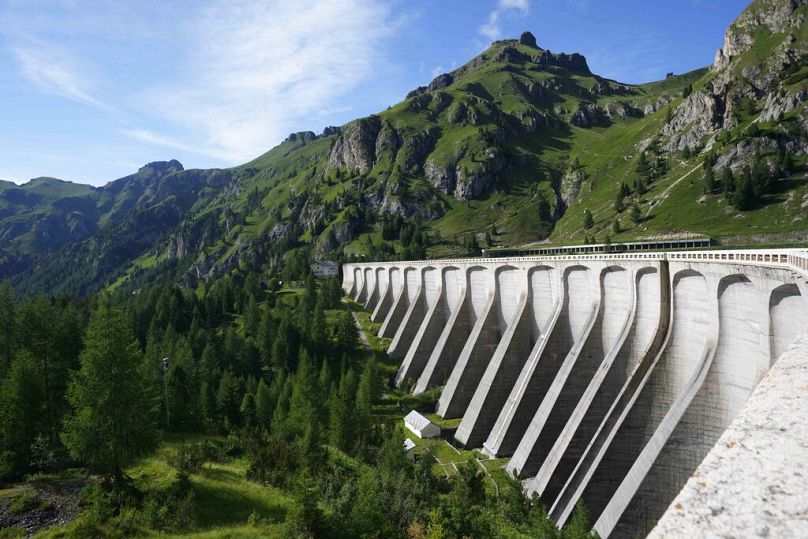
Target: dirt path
{"type": "Point", "coordinates": [662, 196]}
{"type": "Point", "coordinates": [362, 335]}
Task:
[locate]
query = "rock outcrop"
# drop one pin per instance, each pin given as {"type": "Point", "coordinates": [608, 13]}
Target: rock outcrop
{"type": "Point", "coordinates": [355, 148]}
{"type": "Point", "coordinates": [589, 115]}
{"type": "Point", "coordinates": [528, 39]}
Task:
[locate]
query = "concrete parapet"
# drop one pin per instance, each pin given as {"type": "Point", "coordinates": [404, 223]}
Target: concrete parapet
{"type": "Point", "coordinates": [752, 482]}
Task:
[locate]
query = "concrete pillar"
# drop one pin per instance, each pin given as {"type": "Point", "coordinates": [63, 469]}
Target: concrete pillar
{"type": "Point", "coordinates": [513, 318]}
{"type": "Point", "coordinates": [577, 486]}
{"type": "Point", "coordinates": [387, 295]}
{"type": "Point", "coordinates": [741, 359]}
{"type": "Point", "coordinates": [597, 350]}
{"type": "Point", "coordinates": [365, 286]}
{"type": "Point", "coordinates": [670, 387]}
{"type": "Point", "coordinates": [429, 331]}
{"type": "Point", "coordinates": [455, 333]}
{"type": "Point", "coordinates": [348, 279]}
{"type": "Point", "coordinates": [401, 302]}
{"type": "Point", "coordinates": [602, 390]}
{"type": "Point", "coordinates": [375, 292]}
{"type": "Point", "coordinates": [413, 284]}
{"type": "Point", "coordinates": [359, 281]}
{"type": "Point", "coordinates": [573, 323]}
{"type": "Point", "coordinates": [478, 348]}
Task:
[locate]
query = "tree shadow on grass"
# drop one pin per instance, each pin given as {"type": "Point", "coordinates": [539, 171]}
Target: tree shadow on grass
{"type": "Point", "coordinates": [222, 499]}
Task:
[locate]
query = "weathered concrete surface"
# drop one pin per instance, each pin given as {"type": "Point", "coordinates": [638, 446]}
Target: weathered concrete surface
{"type": "Point", "coordinates": [753, 481]}
{"type": "Point", "coordinates": [610, 376]}
{"type": "Point", "coordinates": [642, 321]}
{"type": "Point", "coordinates": [453, 337]}
{"type": "Point", "coordinates": [434, 319]}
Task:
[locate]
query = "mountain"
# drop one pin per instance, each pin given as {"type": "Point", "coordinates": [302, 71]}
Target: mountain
{"type": "Point", "coordinates": [518, 146]}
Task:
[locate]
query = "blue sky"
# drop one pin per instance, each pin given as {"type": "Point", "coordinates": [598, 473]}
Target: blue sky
{"type": "Point", "coordinates": [90, 90]}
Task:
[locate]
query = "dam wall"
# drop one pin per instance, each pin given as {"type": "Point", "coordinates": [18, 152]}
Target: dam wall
{"type": "Point", "coordinates": [600, 378]}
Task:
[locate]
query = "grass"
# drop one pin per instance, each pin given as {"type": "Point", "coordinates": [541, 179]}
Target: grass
{"type": "Point", "coordinates": [26, 501]}
{"type": "Point", "coordinates": [224, 497]}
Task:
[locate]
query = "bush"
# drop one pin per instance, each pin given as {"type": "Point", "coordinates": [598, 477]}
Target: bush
{"type": "Point", "coordinates": [26, 502]}
{"type": "Point", "coordinates": [12, 533]}
{"type": "Point", "coordinates": [190, 457]}
{"type": "Point", "coordinates": [172, 508]}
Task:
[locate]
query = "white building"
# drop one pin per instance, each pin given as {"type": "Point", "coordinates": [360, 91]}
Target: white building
{"type": "Point", "coordinates": [324, 269]}
{"type": "Point", "coordinates": [409, 448]}
{"type": "Point", "coordinates": [421, 426]}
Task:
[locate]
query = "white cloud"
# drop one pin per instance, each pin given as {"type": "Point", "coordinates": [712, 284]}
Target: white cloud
{"type": "Point", "coordinates": [149, 137]}
{"type": "Point", "coordinates": [491, 29]}
{"type": "Point", "coordinates": [54, 71]}
{"type": "Point", "coordinates": [258, 69]}
{"type": "Point", "coordinates": [437, 70]}
{"type": "Point", "coordinates": [521, 5]}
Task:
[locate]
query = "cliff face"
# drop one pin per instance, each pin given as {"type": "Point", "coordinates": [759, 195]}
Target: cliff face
{"type": "Point", "coordinates": [766, 41]}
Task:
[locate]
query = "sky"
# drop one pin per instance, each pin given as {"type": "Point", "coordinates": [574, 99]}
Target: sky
{"type": "Point", "coordinates": [91, 90]}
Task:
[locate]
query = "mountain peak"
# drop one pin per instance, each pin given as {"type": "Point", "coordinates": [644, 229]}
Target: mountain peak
{"type": "Point", "coordinates": [528, 39]}
{"type": "Point", "coordinates": [163, 166]}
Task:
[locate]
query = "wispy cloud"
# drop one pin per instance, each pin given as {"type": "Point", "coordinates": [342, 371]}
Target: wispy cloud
{"type": "Point", "coordinates": [257, 69]}
{"type": "Point", "coordinates": [149, 137]}
{"type": "Point", "coordinates": [54, 71]}
{"type": "Point", "coordinates": [492, 29]}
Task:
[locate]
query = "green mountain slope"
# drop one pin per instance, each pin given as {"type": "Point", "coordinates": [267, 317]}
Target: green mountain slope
{"type": "Point", "coordinates": [518, 146]}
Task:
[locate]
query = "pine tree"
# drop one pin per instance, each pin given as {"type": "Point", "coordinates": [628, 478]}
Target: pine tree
{"type": "Point", "coordinates": [643, 167]}
{"type": "Point", "coordinates": [635, 213]}
{"type": "Point", "coordinates": [744, 196]}
{"type": "Point", "coordinates": [228, 398]}
{"type": "Point", "coordinates": [113, 417]}
{"type": "Point", "coordinates": [264, 404]}
{"type": "Point", "coordinates": [252, 316]}
{"type": "Point", "coordinates": [709, 181]}
{"type": "Point", "coordinates": [248, 409]}
{"type": "Point", "coordinates": [347, 336]}
{"type": "Point", "coordinates": [728, 180]}
{"type": "Point", "coordinates": [619, 206]}
{"type": "Point", "coordinates": [21, 412]}
{"type": "Point", "coordinates": [589, 220]}
{"type": "Point", "coordinates": [340, 422]}
{"type": "Point", "coordinates": [8, 328]}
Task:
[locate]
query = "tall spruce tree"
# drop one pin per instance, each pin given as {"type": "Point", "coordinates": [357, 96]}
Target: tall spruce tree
{"type": "Point", "coordinates": [113, 418]}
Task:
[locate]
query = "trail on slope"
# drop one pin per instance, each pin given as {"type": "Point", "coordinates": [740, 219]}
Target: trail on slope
{"type": "Point", "coordinates": [664, 194]}
{"type": "Point", "coordinates": [362, 335]}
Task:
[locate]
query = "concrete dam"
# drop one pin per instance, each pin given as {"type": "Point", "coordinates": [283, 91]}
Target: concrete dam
{"type": "Point", "coordinates": [604, 378]}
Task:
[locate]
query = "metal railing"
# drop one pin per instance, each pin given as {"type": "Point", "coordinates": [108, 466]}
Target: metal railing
{"type": "Point", "coordinates": [796, 259]}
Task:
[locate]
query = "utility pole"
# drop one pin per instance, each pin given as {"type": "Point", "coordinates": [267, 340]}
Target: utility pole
{"type": "Point", "coordinates": [166, 362]}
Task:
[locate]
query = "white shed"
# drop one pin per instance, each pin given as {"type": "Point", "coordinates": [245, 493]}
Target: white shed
{"type": "Point", "coordinates": [409, 448]}
{"type": "Point", "coordinates": [421, 426]}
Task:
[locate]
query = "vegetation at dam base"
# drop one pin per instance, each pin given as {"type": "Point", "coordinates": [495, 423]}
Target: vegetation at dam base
{"type": "Point", "coordinates": [269, 419]}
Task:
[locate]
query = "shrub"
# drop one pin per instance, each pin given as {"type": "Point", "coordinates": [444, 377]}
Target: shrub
{"type": "Point", "coordinates": [172, 508]}
{"type": "Point", "coordinates": [26, 502]}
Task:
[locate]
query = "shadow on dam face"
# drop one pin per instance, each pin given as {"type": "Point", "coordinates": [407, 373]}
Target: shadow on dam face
{"type": "Point", "coordinates": [606, 382]}
{"type": "Point", "coordinates": [572, 325]}
{"type": "Point", "coordinates": [690, 333]}
{"type": "Point", "coordinates": [605, 385]}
